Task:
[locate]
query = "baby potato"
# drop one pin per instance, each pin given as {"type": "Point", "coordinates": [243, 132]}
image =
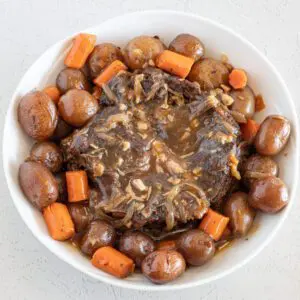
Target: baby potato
{"type": "Point", "coordinates": [62, 187]}
{"type": "Point", "coordinates": [258, 166]}
{"type": "Point", "coordinates": [187, 45]}
{"type": "Point", "coordinates": [80, 214]}
{"type": "Point", "coordinates": [102, 56]}
{"type": "Point", "coordinates": [98, 234]}
{"type": "Point", "coordinates": [196, 246]}
{"type": "Point", "coordinates": [272, 135]}
{"type": "Point", "coordinates": [244, 101]}
{"type": "Point", "coordinates": [209, 73]}
{"type": "Point", "coordinates": [38, 184]}
{"type": "Point", "coordinates": [77, 107]}
{"type": "Point", "coordinates": [70, 78]}
{"type": "Point", "coordinates": [162, 266]}
{"type": "Point", "coordinates": [268, 194]}
{"type": "Point", "coordinates": [48, 154]}
{"type": "Point", "coordinates": [62, 130]}
{"type": "Point", "coordinates": [136, 245]}
{"type": "Point", "coordinates": [37, 115]}
{"type": "Point", "coordinates": [141, 50]}
{"type": "Point", "coordinates": [240, 214]}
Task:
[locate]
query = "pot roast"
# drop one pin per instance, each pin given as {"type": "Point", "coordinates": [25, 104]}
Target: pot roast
{"type": "Point", "coordinates": [159, 151]}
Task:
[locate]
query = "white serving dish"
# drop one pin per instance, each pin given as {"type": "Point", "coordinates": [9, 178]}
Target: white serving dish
{"type": "Point", "coordinates": [167, 24]}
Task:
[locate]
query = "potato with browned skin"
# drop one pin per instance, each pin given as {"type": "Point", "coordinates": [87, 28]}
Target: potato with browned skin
{"type": "Point", "coordinates": [269, 194]}
{"type": "Point", "coordinates": [136, 245]}
{"type": "Point", "coordinates": [69, 79]}
{"type": "Point", "coordinates": [196, 246]}
{"type": "Point", "coordinates": [98, 234]}
{"type": "Point", "coordinates": [162, 266]}
{"type": "Point", "coordinates": [102, 56]}
{"type": "Point", "coordinates": [209, 73]}
{"type": "Point", "coordinates": [142, 50]}
{"type": "Point", "coordinates": [240, 214]}
{"type": "Point", "coordinates": [38, 184]}
{"type": "Point", "coordinates": [37, 115]}
{"type": "Point", "coordinates": [258, 166]}
{"type": "Point", "coordinates": [188, 45]}
{"type": "Point", "coordinates": [47, 153]}
{"type": "Point", "coordinates": [77, 107]}
{"type": "Point", "coordinates": [273, 135]}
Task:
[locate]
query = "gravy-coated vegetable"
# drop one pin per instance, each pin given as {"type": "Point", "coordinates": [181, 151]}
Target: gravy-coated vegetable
{"type": "Point", "coordinates": [141, 51]}
{"type": "Point", "coordinates": [244, 101]}
{"type": "Point", "coordinates": [69, 79]}
{"type": "Point", "coordinates": [188, 45]}
{"type": "Point", "coordinates": [77, 107]}
{"type": "Point", "coordinates": [258, 166]}
{"type": "Point", "coordinates": [273, 135]}
{"type": "Point", "coordinates": [37, 115]}
{"type": "Point", "coordinates": [102, 56]}
{"type": "Point", "coordinates": [47, 153]}
{"type": "Point", "coordinates": [209, 73]}
{"type": "Point", "coordinates": [196, 246]}
{"type": "Point", "coordinates": [163, 266]}
{"type": "Point", "coordinates": [268, 194]}
{"type": "Point", "coordinates": [98, 234]}
{"type": "Point", "coordinates": [136, 245]}
{"type": "Point", "coordinates": [240, 214]}
{"type": "Point", "coordinates": [38, 184]}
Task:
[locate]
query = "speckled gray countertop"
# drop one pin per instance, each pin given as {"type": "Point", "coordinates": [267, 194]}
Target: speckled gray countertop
{"type": "Point", "coordinates": [27, 28]}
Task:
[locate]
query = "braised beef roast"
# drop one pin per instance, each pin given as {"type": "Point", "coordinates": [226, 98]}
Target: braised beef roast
{"type": "Point", "coordinates": [159, 151]}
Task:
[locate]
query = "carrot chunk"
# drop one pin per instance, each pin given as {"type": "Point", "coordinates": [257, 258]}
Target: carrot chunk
{"type": "Point", "coordinates": [83, 45]}
{"type": "Point", "coordinates": [53, 92]}
{"type": "Point", "coordinates": [259, 103]}
{"type": "Point", "coordinates": [77, 186]}
{"type": "Point", "coordinates": [249, 130]}
{"type": "Point", "coordinates": [109, 72]}
{"type": "Point", "coordinates": [238, 79]}
{"type": "Point", "coordinates": [214, 224]}
{"type": "Point", "coordinates": [166, 245]}
{"type": "Point", "coordinates": [59, 221]}
{"type": "Point", "coordinates": [113, 262]}
{"type": "Point", "coordinates": [174, 63]}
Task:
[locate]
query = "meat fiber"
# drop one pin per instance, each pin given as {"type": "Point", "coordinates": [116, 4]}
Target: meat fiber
{"type": "Point", "coordinates": [158, 152]}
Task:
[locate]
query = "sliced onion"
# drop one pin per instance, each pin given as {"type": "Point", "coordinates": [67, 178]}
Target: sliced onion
{"type": "Point", "coordinates": [200, 107]}
{"type": "Point", "coordinates": [109, 93]}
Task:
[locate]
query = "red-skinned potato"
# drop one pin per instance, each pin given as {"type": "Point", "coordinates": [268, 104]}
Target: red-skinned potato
{"type": "Point", "coordinates": [38, 184]}
{"type": "Point", "coordinates": [37, 115]}
{"type": "Point", "coordinates": [77, 107]}
{"type": "Point", "coordinates": [188, 45]}
{"type": "Point", "coordinates": [102, 56]}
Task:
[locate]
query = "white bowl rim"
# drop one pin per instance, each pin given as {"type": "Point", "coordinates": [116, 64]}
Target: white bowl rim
{"type": "Point", "coordinates": [132, 285]}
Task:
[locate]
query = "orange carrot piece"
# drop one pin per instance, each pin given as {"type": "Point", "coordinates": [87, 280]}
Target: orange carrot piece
{"type": "Point", "coordinates": [53, 92]}
{"type": "Point", "coordinates": [113, 262]}
{"type": "Point", "coordinates": [166, 245]}
{"type": "Point", "coordinates": [77, 186]}
{"type": "Point", "coordinates": [109, 72]}
{"type": "Point", "coordinates": [174, 63]}
{"type": "Point", "coordinates": [238, 79]}
{"type": "Point", "coordinates": [59, 221]}
{"type": "Point", "coordinates": [83, 45]}
{"type": "Point", "coordinates": [214, 224]}
{"type": "Point", "coordinates": [249, 130]}
{"type": "Point", "coordinates": [259, 103]}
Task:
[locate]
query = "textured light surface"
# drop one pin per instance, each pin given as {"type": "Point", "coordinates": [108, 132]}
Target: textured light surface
{"type": "Point", "coordinates": [28, 28]}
